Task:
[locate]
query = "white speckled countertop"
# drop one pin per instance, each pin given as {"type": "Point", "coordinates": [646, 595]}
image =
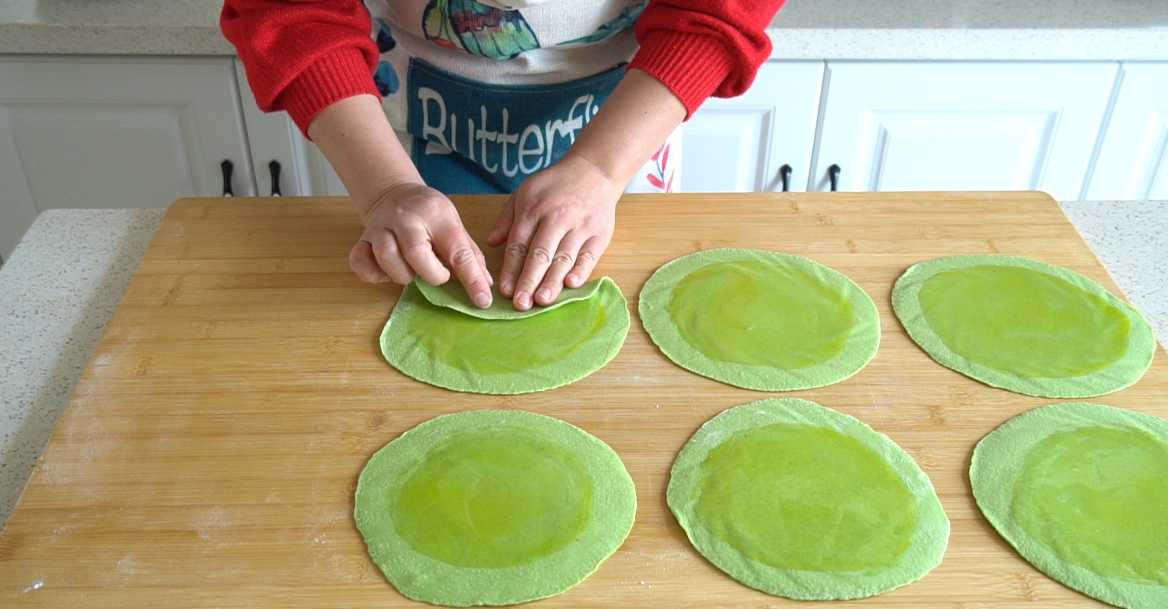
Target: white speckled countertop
{"type": "Point", "coordinates": [63, 282]}
{"type": "Point", "coordinates": [57, 292]}
{"type": "Point", "coordinates": [804, 29]}
{"type": "Point", "coordinates": [112, 27]}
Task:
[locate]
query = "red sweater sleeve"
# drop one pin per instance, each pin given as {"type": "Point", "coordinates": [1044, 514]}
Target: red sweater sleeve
{"type": "Point", "coordinates": [303, 55]}
{"type": "Point", "coordinates": [703, 48]}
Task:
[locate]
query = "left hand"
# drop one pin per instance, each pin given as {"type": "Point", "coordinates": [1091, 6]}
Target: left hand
{"type": "Point", "coordinates": [556, 226]}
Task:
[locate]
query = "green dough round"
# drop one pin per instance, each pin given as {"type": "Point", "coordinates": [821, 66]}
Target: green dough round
{"type": "Point", "coordinates": [801, 501]}
{"type": "Point", "coordinates": [1081, 491]}
{"type": "Point", "coordinates": [1022, 325]}
{"type": "Point", "coordinates": [760, 320]}
{"type": "Point", "coordinates": [453, 296]}
{"type": "Point", "coordinates": [556, 345]}
{"type": "Point", "coordinates": [493, 507]}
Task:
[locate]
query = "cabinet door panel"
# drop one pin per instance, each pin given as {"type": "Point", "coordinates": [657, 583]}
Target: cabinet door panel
{"type": "Point", "coordinates": [272, 136]}
{"type": "Point", "coordinates": [1133, 160]}
{"type": "Point", "coordinates": [962, 126]}
{"type": "Point", "coordinates": [114, 132]}
{"type": "Point", "coordinates": [68, 155]}
{"type": "Point", "coordinates": [739, 144]}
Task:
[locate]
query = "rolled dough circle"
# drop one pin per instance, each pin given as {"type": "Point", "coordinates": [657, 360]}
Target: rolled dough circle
{"type": "Point", "coordinates": [492, 507]}
{"type": "Point", "coordinates": [760, 320]}
{"type": "Point", "coordinates": [801, 501]}
{"type": "Point", "coordinates": [499, 351]}
{"type": "Point", "coordinates": [1080, 491]}
{"type": "Point", "coordinates": [1023, 325]}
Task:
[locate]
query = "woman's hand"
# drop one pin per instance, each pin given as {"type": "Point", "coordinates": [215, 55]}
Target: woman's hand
{"type": "Point", "coordinates": [412, 229]}
{"type": "Point", "coordinates": [556, 227]}
{"type": "Point", "coordinates": [560, 220]}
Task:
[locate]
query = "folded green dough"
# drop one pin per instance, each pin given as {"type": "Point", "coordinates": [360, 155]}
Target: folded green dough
{"type": "Point", "coordinates": [760, 320]}
{"type": "Point", "coordinates": [500, 350]}
{"type": "Point", "coordinates": [453, 296]}
{"type": "Point", "coordinates": [802, 501]}
{"type": "Point", "coordinates": [1022, 325]}
{"type": "Point", "coordinates": [493, 507]}
{"type": "Point", "coordinates": [1081, 492]}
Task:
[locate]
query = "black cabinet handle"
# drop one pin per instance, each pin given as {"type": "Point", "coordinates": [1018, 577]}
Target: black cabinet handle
{"type": "Point", "coordinates": [785, 177]}
{"type": "Point", "coordinates": [228, 168]}
{"type": "Point", "coordinates": [274, 171]}
{"type": "Point", "coordinates": [833, 175]}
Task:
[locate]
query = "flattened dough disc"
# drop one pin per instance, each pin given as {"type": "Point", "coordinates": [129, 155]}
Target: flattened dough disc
{"type": "Point", "coordinates": [802, 501]}
{"type": "Point", "coordinates": [1023, 325]}
{"type": "Point", "coordinates": [499, 350]}
{"type": "Point", "coordinates": [1081, 491]}
{"type": "Point", "coordinates": [493, 507]}
{"type": "Point", "coordinates": [760, 320]}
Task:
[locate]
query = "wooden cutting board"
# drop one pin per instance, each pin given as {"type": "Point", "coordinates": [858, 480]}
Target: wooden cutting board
{"type": "Point", "coordinates": [209, 454]}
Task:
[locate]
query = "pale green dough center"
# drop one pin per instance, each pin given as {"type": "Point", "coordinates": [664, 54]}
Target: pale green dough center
{"type": "Point", "coordinates": [494, 347]}
{"type": "Point", "coordinates": [1025, 322]}
{"type": "Point", "coordinates": [491, 499]}
{"type": "Point", "coordinates": [761, 313]}
{"type": "Point", "coordinates": [1098, 498]}
{"type": "Point", "coordinates": [806, 498]}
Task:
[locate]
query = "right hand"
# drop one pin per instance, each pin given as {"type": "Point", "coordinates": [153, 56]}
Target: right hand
{"type": "Point", "coordinates": [414, 230]}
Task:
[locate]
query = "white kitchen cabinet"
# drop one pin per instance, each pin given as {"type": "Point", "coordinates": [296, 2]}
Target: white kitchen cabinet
{"type": "Point", "coordinates": [277, 148]}
{"type": "Point", "coordinates": [1133, 156]}
{"type": "Point", "coordinates": [740, 144]}
{"type": "Point", "coordinates": [114, 132]}
{"type": "Point", "coordinates": [273, 136]}
{"type": "Point", "coordinates": [961, 126]}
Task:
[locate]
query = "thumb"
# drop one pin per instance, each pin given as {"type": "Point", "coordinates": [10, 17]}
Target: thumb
{"type": "Point", "coordinates": [502, 224]}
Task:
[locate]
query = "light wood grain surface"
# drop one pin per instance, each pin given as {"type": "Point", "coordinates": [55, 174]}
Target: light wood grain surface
{"type": "Point", "coordinates": [209, 455]}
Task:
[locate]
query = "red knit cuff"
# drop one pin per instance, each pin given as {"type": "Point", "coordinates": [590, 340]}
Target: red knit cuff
{"type": "Point", "coordinates": [692, 66]}
{"type": "Point", "coordinates": [334, 76]}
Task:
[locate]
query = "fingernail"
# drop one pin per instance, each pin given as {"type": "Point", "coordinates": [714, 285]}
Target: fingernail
{"type": "Point", "coordinates": [505, 286]}
{"type": "Point", "coordinates": [573, 279]}
{"type": "Point", "coordinates": [523, 299]}
{"type": "Point", "coordinates": [545, 295]}
{"type": "Point", "coordinates": [482, 300]}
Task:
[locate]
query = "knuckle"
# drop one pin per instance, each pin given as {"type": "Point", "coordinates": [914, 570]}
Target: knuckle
{"type": "Point", "coordinates": [517, 249]}
{"type": "Point", "coordinates": [463, 256]}
{"type": "Point", "coordinates": [564, 259]}
{"type": "Point", "coordinates": [587, 257]}
{"type": "Point", "coordinates": [355, 256]}
{"type": "Point", "coordinates": [541, 255]}
{"type": "Point", "coordinates": [428, 203]}
{"type": "Point", "coordinates": [403, 211]}
{"type": "Point", "coordinates": [384, 247]}
{"type": "Point", "coordinates": [359, 270]}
